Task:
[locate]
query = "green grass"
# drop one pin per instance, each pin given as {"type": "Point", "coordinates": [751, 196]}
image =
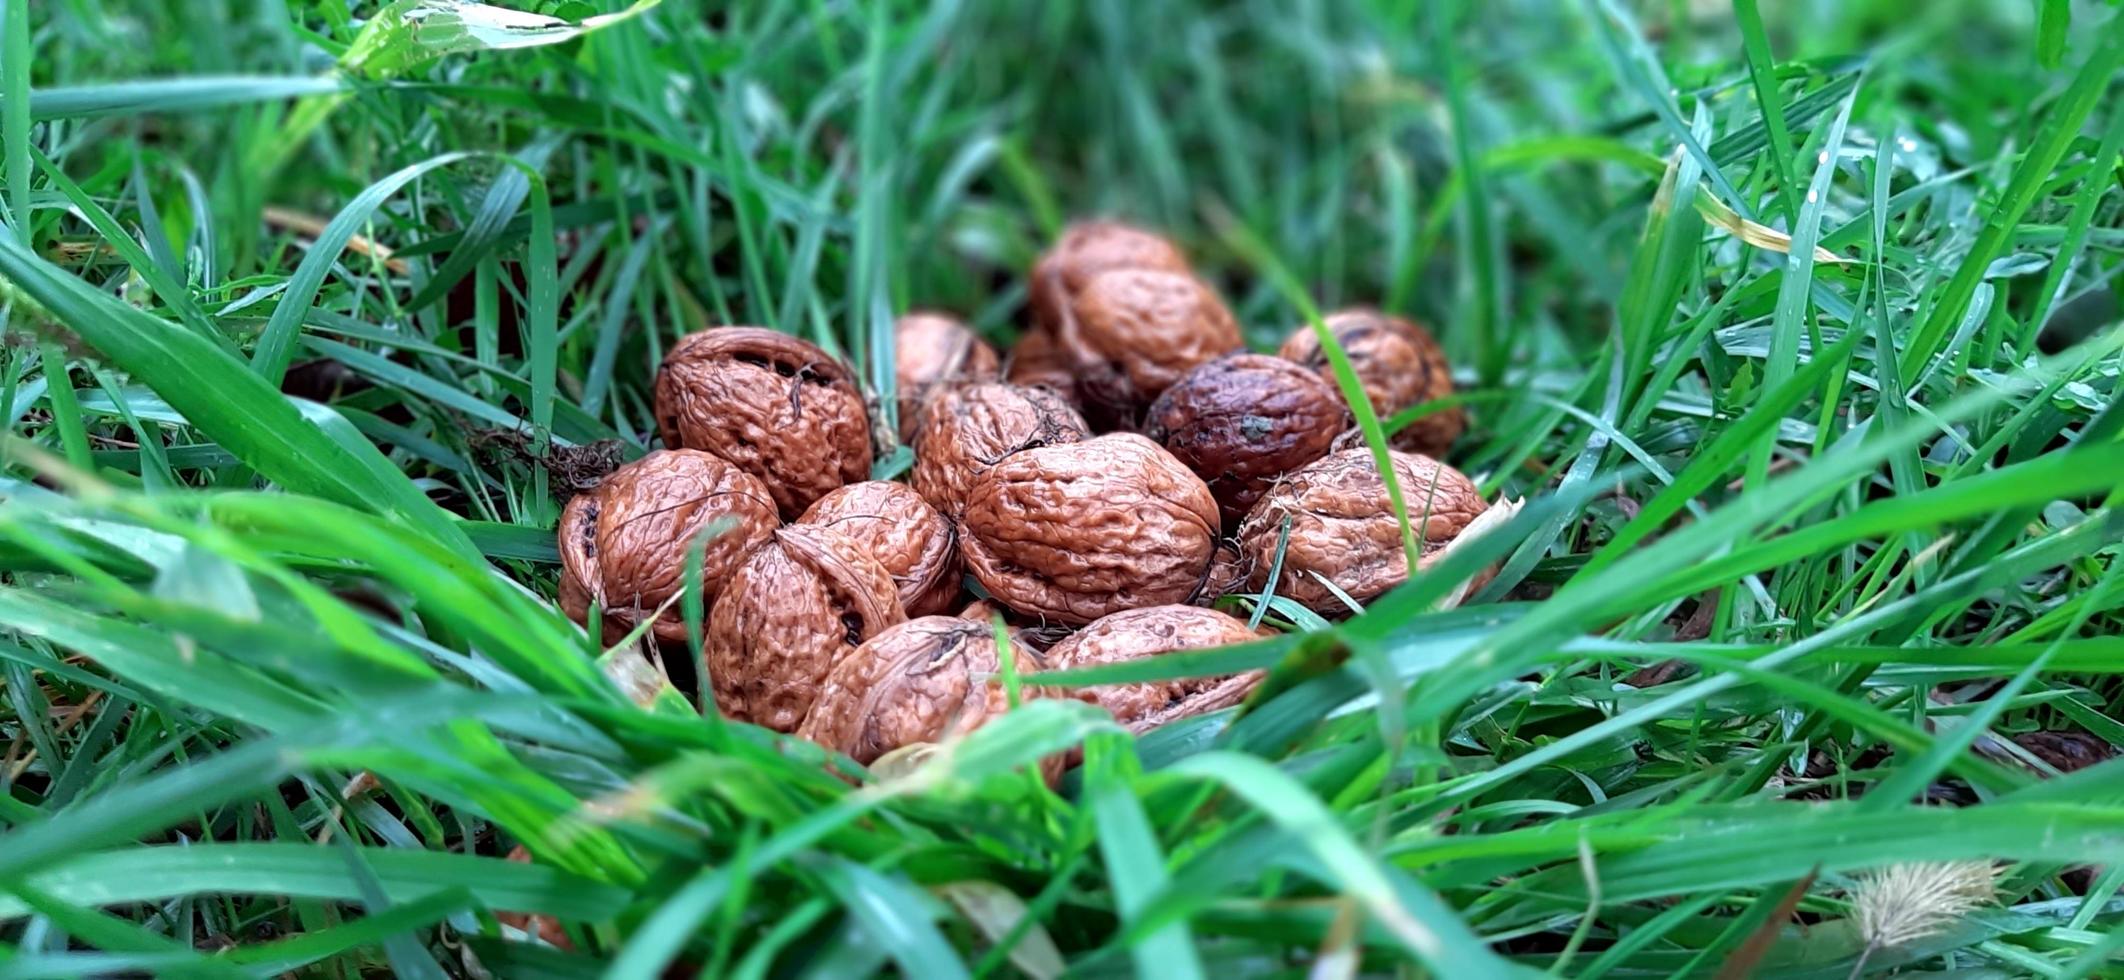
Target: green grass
{"type": "Point", "coordinates": [1867, 502]}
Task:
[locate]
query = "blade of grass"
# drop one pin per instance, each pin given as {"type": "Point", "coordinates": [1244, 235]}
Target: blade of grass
{"type": "Point", "coordinates": [2055, 136]}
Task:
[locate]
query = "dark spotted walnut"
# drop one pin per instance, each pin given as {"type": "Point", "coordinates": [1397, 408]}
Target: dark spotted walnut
{"type": "Point", "coordinates": [1399, 363]}
{"type": "Point", "coordinates": [1343, 527]}
{"type": "Point", "coordinates": [623, 545]}
{"type": "Point", "coordinates": [1074, 532]}
{"type": "Point", "coordinates": [968, 428]}
{"type": "Point", "coordinates": [1086, 249]}
{"type": "Point", "coordinates": [924, 680]}
{"type": "Point", "coordinates": [1242, 421]}
{"type": "Point", "coordinates": [906, 535]}
{"type": "Point", "coordinates": [778, 407]}
{"type": "Point", "coordinates": [1131, 333]}
{"type": "Point", "coordinates": [930, 349]}
{"type": "Point", "coordinates": [1139, 634]}
{"type": "Point", "coordinates": [794, 609]}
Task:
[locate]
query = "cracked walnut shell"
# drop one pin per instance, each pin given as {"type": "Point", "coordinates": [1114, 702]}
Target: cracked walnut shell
{"type": "Point", "coordinates": [1086, 249]}
{"type": "Point", "coordinates": [796, 608]}
{"type": "Point", "coordinates": [778, 407]}
{"type": "Point", "coordinates": [1131, 333]}
{"type": "Point", "coordinates": [1343, 527]}
{"type": "Point", "coordinates": [1139, 634]}
{"type": "Point", "coordinates": [1399, 364]}
{"type": "Point", "coordinates": [906, 535]}
{"type": "Point", "coordinates": [922, 681]}
{"type": "Point", "coordinates": [968, 428]}
{"type": "Point", "coordinates": [1074, 532]}
{"type": "Point", "coordinates": [1242, 421]}
{"type": "Point", "coordinates": [931, 349]}
{"type": "Point", "coordinates": [623, 545]}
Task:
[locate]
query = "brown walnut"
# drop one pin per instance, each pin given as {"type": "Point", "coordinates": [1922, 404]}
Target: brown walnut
{"type": "Point", "coordinates": [1399, 364]}
{"type": "Point", "coordinates": [921, 681]}
{"type": "Point", "coordinates": [1343, 527]}
{"type": "Point", "coordinates": [1131, 333]}
{"type": "Point", "coordinates": [930, 349]}
{"type": "Point", "coordinates": [982, 611]}
{"type": "Point", "coordinates": [1038, 362]}
{"type": "Point", "coordinates": [623, 545]}
{"type": "Point", "coordinates": [778, 407]}
{"type": "Point", "coordinates": [1243, 420]}
{"type": "Point", "coordinates": [968, 428]}
{"type": "Point", "coordinates": [1228, 573]}
{"type": "Point", "coordinates": [1075, 532]}
{"type": "Point", "coordinates": [547, 928]}
{"type": "Point", "coordinates": [1030, 630]}
{"type": "Point", "coordinates": [1138, 634]}
{"type": "Point", "coordinates": [795, 608]}
{"type": "Point", "coordinates": [1086, 249]}
{"type": "Point", "coordinates": [906, 535]}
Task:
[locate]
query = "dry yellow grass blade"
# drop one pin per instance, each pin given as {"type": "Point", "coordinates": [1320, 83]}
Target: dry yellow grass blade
{"type": "Point", "coordinates": [313, 226]}
{"type": "Point", "coordinates": [1758, 235]}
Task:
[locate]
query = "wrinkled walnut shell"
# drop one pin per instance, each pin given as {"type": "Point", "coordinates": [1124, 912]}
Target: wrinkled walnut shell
{"type": "Point", "coordinates": [623, 545]}
{"type": "Point", "coordinates": [1242, 421]}
{"type": "Point", "coordinates": [778, 407]}
{"type": "Point", "coordinates": [1228, 573]}
{"type": "Point", "coordinates": [1087, 249]}
{"type": "Point", "coordinates": [968, 428]}
{"type": "Point", "coordinates": [1343, 526]}
{"type": "Point", "coordinates": [1399, 363]}
{"type": "Point", "coordinates": [1138, 634]}
{"type": "Point", "coordinates": [921, 681]}
{"type": "Point", "coordinates": [1075, 532]}
{"type": "Point", "coordinates": [1038, 362]}
{"type": "Point", "coordinates": [906, 535]}
{"type": "Point", "coordinates": [797, 607]}
{"type": "Point", "coordinates": [930, 349]}
{"type": "Point", "coordinates": [1131, 333]}
{"type": "Point", "coordinates": [1029, 630]}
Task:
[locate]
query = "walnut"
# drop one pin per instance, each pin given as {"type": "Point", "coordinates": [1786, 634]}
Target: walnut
{"type": "Point", "coordinates": [1228, 573]}
{"type": "Point", "coordinates": [1399, 363]}
{"type": "Point", "coordinates": [921, 681]}
{"type": "Point", "coordinates": [1086, 249]}
{"type": "Point", "coordinates": [1038, 362]}
{"type": "Point", "coordinates": [930, 349]}
{"type": "Point", "coordinates": [795, 608]}
{"type": "Point", "coordinates": [547, 928]}
{"type": "Point", "coordinates": [1131, 333]}
{"type": "Point", "coordinates": [982, 611]}
{"type": "Point", "coordinates": [1032, 631]}
{"type": "Point", "coordinates": [968, 428]}
{"type": "Point", "coordinates": [1242, 421]}
{"type": "Point", "coordinates": [906, 535]}
{"type": "Point", "coordinates": [1343, 527]}
{"type": "Point", "coordinates": [1074, 532]}
{"type": "Point", "coordinates": [623, 545]}
{"type": "Point", "coordinates": [1136, 634]}
{"type": "Point", "coordinates": [778, 407]}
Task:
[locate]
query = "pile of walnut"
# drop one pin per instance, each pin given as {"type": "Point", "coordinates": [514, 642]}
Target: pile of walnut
{"type": "Point", "coordinates": [1125, 467]}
